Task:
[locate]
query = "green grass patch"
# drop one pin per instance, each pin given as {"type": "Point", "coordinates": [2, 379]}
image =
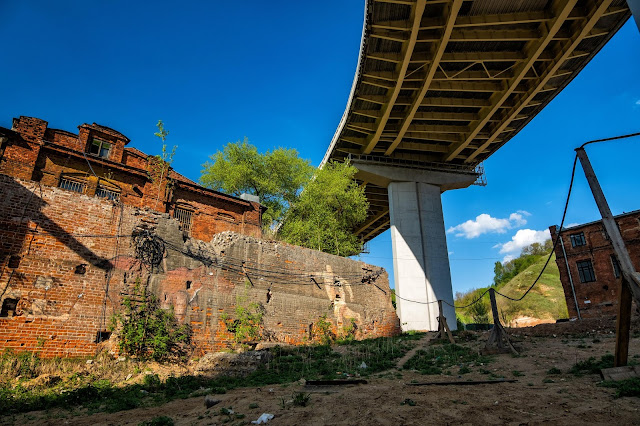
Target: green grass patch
{"type": "Point", "coordinates": [592, 366]}
{"type": "Point", "coordinates": [438, 358]}
{"type": "Point", "coordinates": [287, 365]}
{"type": "Point", "coordinates": [627, 387]}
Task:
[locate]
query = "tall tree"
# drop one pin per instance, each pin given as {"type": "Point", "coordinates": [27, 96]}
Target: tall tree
{"type": "Point", "coordinates": [327, 211]}
{"type": "Point", "coordinates": [276, 176]}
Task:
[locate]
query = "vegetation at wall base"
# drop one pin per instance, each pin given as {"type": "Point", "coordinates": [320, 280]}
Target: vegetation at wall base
{"type": "Point", "coordinates": [93, 393]}
{"type": "Point", "coordinates": [148, 332]}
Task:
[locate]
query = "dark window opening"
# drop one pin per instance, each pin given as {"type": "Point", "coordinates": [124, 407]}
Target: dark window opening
{"type": "Point", "coordinates": [184, 217]}
{"type": "Point", "coordinates": [188, 285]}
{"type": "Point", "coordinates": [100, 148]}
{"type": "Point", "coordinates": [605, 287]}
{"type": "Point", "coordinates": [165, 297]}
{"type": "Point", "coordinates": [102, 336]}
{"type": "Point", "coordinates": [586, 272]}
{"type": "Point", "coordinates": [9, 306]}
{"type": "Point", "coordinates": [578, 240]}
{"type": "Point", "coordinates": [81, 269]}
{"type": "Point", "coordinates": [337, 296]}
{"type": "Point", "coordinates": [14, 262]}
{"type": "Point", "coordinates": [616, 266]}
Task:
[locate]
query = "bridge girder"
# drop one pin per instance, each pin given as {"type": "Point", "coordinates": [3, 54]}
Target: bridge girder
{"type": "Point", "coordinates": [447, 82]}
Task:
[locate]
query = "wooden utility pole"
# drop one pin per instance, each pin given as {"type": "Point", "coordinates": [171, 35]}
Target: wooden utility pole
{"type": "Point", "coordinates": [443, 327]}
{"type": "Point", "coordinates": [498, 335]}
{"type": "Point", "coordinates": [631, 280]}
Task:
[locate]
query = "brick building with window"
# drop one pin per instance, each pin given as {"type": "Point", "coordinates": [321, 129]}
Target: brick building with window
{"type": "Point", "coordinates": [593, 277]}
{"type": "Point", "coordinates": [97, 162]}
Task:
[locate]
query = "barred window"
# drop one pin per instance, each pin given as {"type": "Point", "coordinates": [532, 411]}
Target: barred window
{"type": "Point", "coordinates": [184, 217]}
{"type": "Point", "coordinates": [72, 185]}
{"type": "Point", "coordinates": [103, 192]}
{"type": "Point", "coordinates": [578, 240]}
{"type": "Point", "coordinates": [586, 272]}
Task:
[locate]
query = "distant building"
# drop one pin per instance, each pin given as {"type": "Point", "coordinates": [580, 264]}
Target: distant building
{"type": "Point", "coordinates": [96, 162]}
{"type": "Point", "coordinates": [594, 277]}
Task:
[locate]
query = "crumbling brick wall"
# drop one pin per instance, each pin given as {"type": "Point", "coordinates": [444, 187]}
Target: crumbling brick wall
{"type": "Point", "coordinates": [66, 259]}
{"type": "Point", "coordinates": [33, 151]}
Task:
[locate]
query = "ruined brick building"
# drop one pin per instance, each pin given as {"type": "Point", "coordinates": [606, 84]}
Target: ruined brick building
{"type": "Point", "coordinates": [96, 162]}
{"type": "Point", "coordinates": [78, 214]}
{"type": "Point", "coordinates": [593, 278]}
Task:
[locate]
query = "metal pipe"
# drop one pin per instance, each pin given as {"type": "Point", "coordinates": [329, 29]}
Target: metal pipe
{"type": "Point", "coordinates": [573, 290]}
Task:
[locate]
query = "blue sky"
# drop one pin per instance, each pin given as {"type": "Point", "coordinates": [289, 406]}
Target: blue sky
{"type": "Point", "coordinates": [280, 73]}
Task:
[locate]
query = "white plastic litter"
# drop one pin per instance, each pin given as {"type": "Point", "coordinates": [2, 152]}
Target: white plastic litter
{"type": "Point", "coordinates": [264, 418]}
{"type": "Point", "coordinates": [363, 365]}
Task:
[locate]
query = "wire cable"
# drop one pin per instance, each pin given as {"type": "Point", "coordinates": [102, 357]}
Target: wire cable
{"type": "Point", "coordinates": [564, 213]}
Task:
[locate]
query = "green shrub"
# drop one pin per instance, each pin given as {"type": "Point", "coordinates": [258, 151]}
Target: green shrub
{"type": "Point", "coordinates": [591, 366]}
{"type": "Point", "coordinates": [322, 330]}
{"type": "Point", "coordinates": [245, 327]}
{"type": "Point", "coordinates": [147, 331]}
{"type": "Point", "coordinates": [627, 387]}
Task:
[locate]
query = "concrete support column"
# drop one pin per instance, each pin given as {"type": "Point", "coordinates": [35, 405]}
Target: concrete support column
{"type": "Point", "coordinates": [420, 255]}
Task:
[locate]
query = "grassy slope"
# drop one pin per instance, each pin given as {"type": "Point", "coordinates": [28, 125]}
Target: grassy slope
{"type": "Point", "coordinates": [546, 300]}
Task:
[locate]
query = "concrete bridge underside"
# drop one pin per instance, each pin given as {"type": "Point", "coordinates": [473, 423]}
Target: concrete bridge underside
{"type": "Point", "coordinates": [440, 86]}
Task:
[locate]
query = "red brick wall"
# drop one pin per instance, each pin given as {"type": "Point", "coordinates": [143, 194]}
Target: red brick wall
{"type": "Point", "coordinates": [213, 215]}
{"type": "Point", "coordinates": [45, 155]}
{"type": "Point", "coordinates": [599, 297]}
{"type": "Point", "coordinates": [53, 231]}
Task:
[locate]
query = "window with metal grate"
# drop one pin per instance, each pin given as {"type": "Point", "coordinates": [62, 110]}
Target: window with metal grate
{"type": "Point", "coordinates": [72, 185]}
{"type": "Point", "coordinates": [103, 192]}
{"type": "Point", "coordinates": [184, 217]}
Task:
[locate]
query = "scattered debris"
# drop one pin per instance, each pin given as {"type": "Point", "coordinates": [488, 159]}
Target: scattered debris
{"type": "Point", "coordinates": [264, 418]}
{"type": "Point", "coordinates": [210, 401]}
{"type": "Point", "coordinates": [620, 373]}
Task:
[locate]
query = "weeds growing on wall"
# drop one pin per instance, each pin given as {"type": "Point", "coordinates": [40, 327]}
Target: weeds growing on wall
{"type": "Point", "coordinates": [322, 331]}
{"type": "Point", "coordinates": [246, 323]}
{"type": "Point", "coordinates": [147, 331]}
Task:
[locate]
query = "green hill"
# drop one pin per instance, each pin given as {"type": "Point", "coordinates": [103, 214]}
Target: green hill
{"type": "Point", "coordinates": [545, 301]}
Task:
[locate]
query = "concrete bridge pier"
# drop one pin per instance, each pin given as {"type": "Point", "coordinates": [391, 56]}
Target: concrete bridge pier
{"type": "Point", "coordinates": [420, 255]}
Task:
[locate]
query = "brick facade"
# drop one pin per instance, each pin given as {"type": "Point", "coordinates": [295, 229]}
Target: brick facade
{"type": "Point", "coordinates": [33, 151]}
{"type": "Point", "coordinates": [67, 258]}
{"type": "Point", "coordinates": [591, 258]}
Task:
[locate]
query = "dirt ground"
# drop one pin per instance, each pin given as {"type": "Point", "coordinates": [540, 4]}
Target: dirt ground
{"type": "Point", "coordinates": [389, 398]}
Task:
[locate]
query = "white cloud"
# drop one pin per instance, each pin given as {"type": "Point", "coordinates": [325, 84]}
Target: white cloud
{"type": "Point", "coordinates": [450, 253]}
{"type": "Point", "coordinates": [508, 258]}
{"type": "Point", "coordinates": [485, 224]}
{"type": "Point", "coordinates": [523, 238]}
{"type": "Point", "coordinates": [638, 102]}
